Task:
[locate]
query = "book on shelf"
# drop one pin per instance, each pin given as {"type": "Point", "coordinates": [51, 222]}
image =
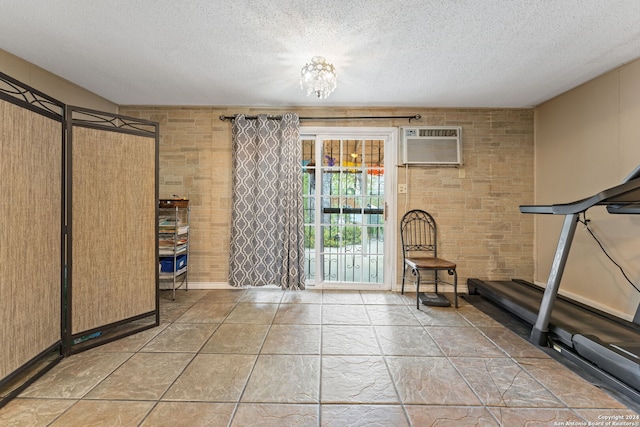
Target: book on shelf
{"type": "Point", "coordinates": [167, 251]}
{"type": "Point", "coordinates": [171, 229]}
{"type": "Point", "coordinates": [167, 240]}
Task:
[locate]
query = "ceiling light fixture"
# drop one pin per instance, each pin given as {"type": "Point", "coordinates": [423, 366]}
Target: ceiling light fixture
{"type": "Point", "coordinates": [318, 77]}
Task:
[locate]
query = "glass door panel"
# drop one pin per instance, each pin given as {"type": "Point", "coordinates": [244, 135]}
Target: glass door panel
{"type": "Point", "coordinates": [344, 210]}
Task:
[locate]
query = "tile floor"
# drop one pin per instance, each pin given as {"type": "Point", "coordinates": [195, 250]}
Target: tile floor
{"type": "Point", "coordinates": [265, 357]}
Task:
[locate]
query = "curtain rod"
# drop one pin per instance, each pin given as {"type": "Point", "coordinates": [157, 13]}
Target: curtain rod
{"type": "Point", "coordinates": [413, 117]}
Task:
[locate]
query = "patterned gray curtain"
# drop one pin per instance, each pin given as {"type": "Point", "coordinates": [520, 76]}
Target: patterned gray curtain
{"type": "Point", "coordinates": [267, 240]}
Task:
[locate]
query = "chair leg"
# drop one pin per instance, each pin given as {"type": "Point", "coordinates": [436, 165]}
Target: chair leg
{"type": "Point", "coordinates": [417, 273]}
{"type": "Point", "coordinates": [455, 287]}
{"type": "Point", "coordinates": [404, 273]}
{"type": "Point", "coordinates": [435, 280]}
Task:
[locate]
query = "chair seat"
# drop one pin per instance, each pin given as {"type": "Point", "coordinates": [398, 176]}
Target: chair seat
{"type": "Point", "coordinates": [430, 263]}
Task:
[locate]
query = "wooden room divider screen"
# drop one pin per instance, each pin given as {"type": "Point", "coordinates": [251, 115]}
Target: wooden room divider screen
{"type": "Point", "coordinates": [112, 226]}
{"type": "Point", "coordinates": [31, 243]}
{"type": "Point", "coordinates": [78, 227]}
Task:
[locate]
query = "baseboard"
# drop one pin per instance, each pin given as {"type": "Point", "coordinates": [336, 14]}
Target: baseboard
{"type": "Point", "coordinates": [225, 285]}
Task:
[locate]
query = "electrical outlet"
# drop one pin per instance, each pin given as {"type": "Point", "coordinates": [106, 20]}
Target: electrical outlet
{"type": "Point", "coordinates": [402, 188]}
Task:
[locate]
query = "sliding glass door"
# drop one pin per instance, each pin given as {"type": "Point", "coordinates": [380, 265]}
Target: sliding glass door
{"type": "Point", "coordinates": [346, 206]}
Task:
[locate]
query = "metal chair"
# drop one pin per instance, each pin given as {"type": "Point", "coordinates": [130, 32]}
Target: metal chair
{"type": "Point", "coordinates": [419, 235]}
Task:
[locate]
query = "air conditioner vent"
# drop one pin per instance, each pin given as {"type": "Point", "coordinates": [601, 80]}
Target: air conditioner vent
{"type": "Point", "coordinates": [438, 132]}
{"type": "Point", "coordinates": [431, 145]}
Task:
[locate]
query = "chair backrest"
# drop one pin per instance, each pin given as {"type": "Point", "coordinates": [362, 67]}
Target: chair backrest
{"type": "Point", "coordinates": [419, 234]}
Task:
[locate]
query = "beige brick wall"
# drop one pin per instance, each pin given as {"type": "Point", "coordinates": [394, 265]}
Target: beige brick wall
{"type": "Point", "coordinates": [476, 206]}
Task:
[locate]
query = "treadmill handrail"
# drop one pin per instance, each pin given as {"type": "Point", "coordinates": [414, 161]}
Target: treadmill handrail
{"type": "Point", "coordinates": [629, 209]}
{"type": "Point", "coordinates": [537, 209]}
{"type": "Point", "coordinates": [621, 195]}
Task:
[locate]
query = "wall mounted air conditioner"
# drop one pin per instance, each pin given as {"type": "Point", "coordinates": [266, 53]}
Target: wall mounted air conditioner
{"type": "Point", "coordinates": [431, 145]}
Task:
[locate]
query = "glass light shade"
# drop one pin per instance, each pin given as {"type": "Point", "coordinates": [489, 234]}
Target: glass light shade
{"type": "Point", "coordinates": [318, 77]}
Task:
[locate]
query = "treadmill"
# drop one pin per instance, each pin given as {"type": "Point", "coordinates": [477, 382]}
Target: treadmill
{"type": "Point", "coordinates": [606, 345]}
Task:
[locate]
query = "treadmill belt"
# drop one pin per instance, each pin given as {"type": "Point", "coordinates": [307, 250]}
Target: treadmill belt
{"type": "Point", "coordinates": [610, 343]}
{"type": "Point", "coordinates": [567, 318]}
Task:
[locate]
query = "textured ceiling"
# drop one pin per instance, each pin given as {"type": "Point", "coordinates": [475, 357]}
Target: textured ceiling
{"type": "Point", "coordinates": [446, 53]}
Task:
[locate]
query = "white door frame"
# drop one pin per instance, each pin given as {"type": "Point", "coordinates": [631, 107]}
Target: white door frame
{"type": "Point", "coordinates": [390, 134]}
